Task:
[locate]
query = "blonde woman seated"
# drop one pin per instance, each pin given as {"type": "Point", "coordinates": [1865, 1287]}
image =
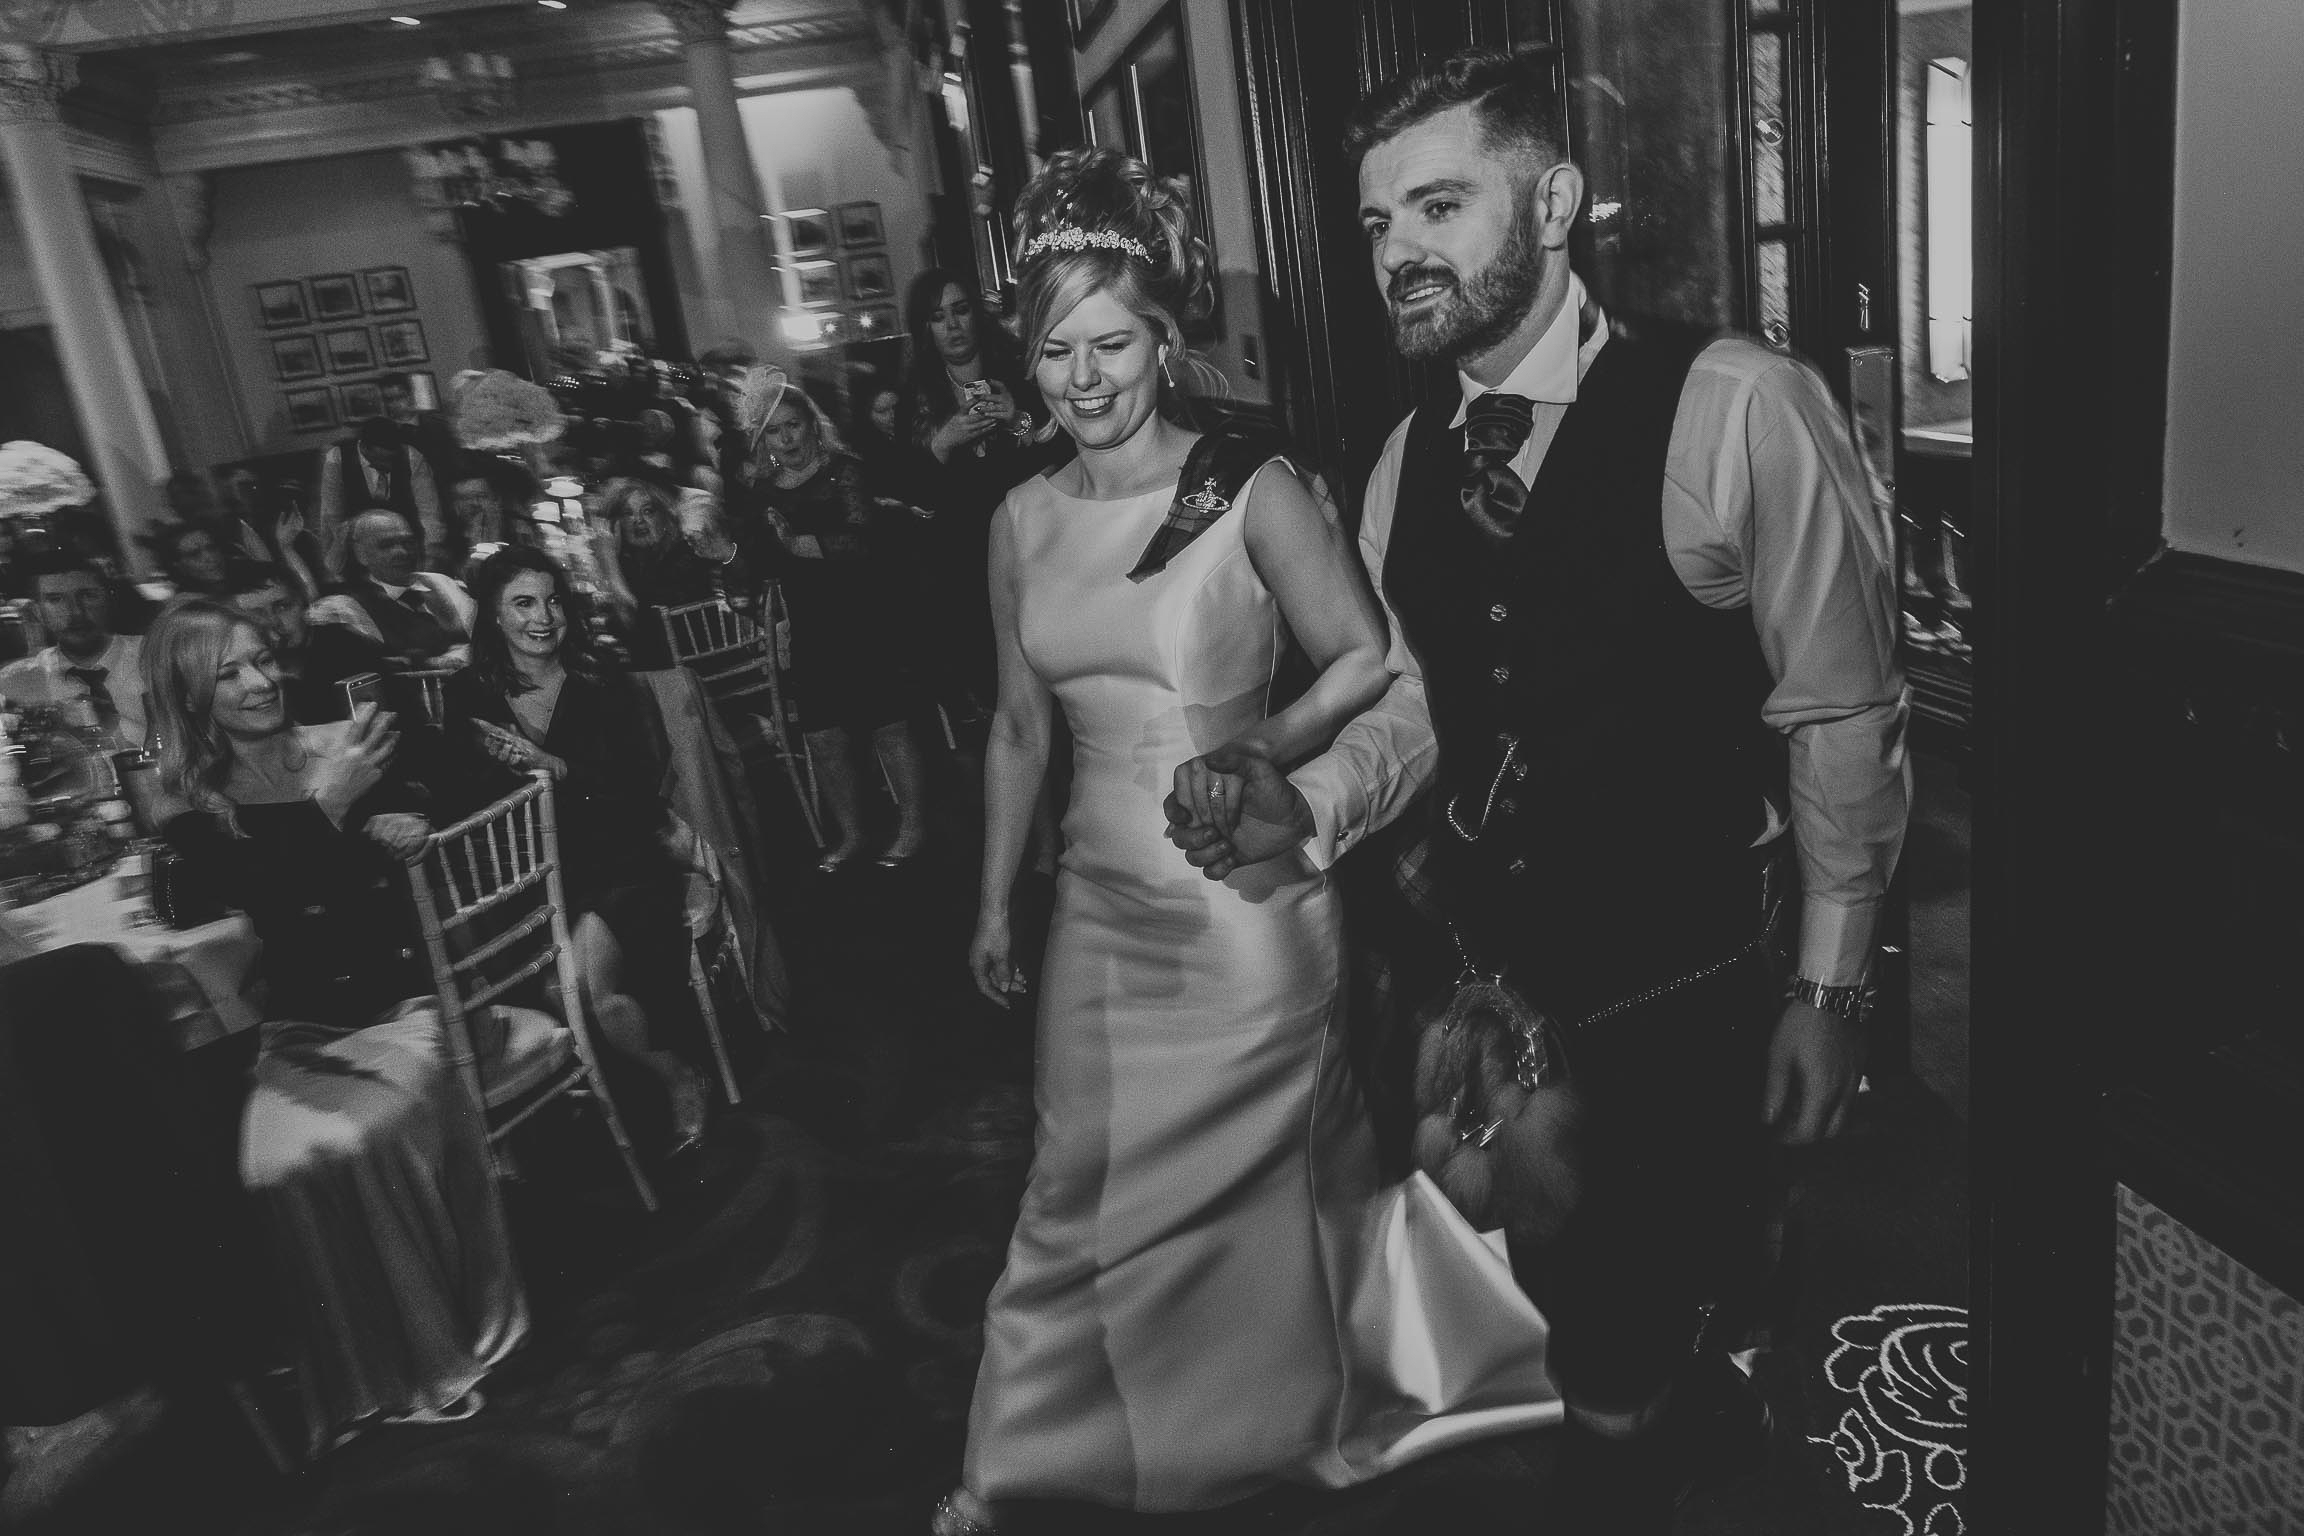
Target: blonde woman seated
{"type": "Point", "coordinates": [369, 1156]}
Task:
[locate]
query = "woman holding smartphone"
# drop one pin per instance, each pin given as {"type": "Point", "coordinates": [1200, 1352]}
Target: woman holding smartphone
{"type": "Point", "coordinates": [368, 1157]}
{"type": "Point", "coordinates": [533, 698]}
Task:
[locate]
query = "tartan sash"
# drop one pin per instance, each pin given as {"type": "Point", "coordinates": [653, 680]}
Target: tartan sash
{"type": "Point", "coordinates": [1218, 468]}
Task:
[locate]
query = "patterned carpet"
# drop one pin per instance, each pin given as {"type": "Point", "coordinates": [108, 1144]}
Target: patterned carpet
{"type": "Point", "coordinates": [789, 1345]}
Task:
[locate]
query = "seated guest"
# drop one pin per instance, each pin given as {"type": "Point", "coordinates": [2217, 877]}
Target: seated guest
{"type": "Point", "coordinates": [488, 507]}
{"type": "Point", "coordinates": [421, 618]}
{"type": "Point", "coordinates": [191, 556]}
{"type": "Point", "coordinates": [652, 562]}
{"type": "Point", "coordinates": [535, 697]}
{"type": "Point", "coordinates": [359, 1139]}
{"type": "Point", "coordinates": [88, 662]}
{"type": "Point", "coordinates": [312, 660]}
{"type": "Point", "coordinates": [240, 517]}
{"type": "Point", "coordinates": [378, 467]}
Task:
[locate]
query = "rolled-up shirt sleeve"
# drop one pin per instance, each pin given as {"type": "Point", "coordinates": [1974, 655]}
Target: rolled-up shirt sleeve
{"type": "Point", "coordinates": [1817, 566]}
{"type": "Point", "coordinates": [1387, 755]}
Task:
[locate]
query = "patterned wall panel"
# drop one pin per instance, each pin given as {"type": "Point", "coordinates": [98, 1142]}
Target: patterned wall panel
{"type": "Point", "coordinates": [2207, 1388]}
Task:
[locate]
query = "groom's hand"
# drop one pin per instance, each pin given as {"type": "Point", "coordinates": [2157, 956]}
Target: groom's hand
{"type": "Point", "coordinates": [1257, 816]}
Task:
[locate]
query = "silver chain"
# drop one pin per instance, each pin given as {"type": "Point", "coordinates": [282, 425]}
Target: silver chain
{"type": "Point", "coordinates": [1495, 786]}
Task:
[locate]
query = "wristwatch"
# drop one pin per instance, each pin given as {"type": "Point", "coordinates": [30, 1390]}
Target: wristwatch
{"type": "Point", "coordinates": [1852, 1003]}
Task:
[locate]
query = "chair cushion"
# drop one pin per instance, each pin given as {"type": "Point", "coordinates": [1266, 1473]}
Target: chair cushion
{"type": "Point", "coordinates": [536, 1049]}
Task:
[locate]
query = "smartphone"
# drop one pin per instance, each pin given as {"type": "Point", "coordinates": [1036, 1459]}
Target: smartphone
{"type": "Point", "coordinates": [362, 688]}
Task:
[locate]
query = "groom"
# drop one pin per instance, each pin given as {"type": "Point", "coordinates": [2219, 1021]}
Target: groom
{"type": "Point", "coordinates": [1643, 619]}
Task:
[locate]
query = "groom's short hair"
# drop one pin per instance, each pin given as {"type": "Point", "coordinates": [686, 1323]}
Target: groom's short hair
{"type": "Point", "coordinates": [1509, 89]}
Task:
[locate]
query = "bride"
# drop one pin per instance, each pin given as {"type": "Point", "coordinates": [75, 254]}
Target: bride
{"type": "Point", "coordinates": [1206, 1292]}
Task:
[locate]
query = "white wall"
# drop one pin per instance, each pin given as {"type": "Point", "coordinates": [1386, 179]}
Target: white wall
{"type": "Point", "coordinates": [307, 217]}
{"type": "Point", "coordinates": [1224, 152]}
{"type": "Point", "coordinates": [2234, 484]}
{"type": "Point", "coordinates": [816, 149]}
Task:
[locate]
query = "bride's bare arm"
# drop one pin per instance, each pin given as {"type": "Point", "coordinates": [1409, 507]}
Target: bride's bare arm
{"type": "Point", "coordinates": [1301, 553]}
{"type": "Point", "coordinates": [1015, 764]}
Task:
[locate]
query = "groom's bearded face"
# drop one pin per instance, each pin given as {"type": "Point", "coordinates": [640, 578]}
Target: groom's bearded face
{"type": "Point", "coordinates": [1476, 309]}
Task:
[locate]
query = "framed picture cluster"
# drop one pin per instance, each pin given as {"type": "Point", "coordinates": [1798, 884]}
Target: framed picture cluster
{"type": "Point", "coordinates": [333, 334]}
{"type": "Point", "coordinates": [839, 258]}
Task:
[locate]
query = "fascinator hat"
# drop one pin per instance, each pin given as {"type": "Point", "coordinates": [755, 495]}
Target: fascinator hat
{"type": "Point", "coordinates": [762, 391]}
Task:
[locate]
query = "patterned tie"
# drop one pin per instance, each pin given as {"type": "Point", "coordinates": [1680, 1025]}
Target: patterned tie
{"type": "Point", "coordinates": [107, 712]}
{"type": "Point", "coordinates": [1495, 427]}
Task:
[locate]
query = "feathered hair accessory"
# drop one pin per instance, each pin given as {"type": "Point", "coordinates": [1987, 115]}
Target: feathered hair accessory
{"type": "Point", "coordinates": [1071, 237]}
{"type": "Point", "coordinates": [763, 390]}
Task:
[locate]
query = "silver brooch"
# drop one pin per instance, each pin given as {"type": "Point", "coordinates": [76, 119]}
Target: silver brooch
{"type": "Point", "coordinates": [1206, 500]}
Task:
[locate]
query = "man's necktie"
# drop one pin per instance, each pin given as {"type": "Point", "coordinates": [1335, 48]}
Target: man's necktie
{"type": "Point", "coordinates": [107, 712]}
{"type": "Point", "coordinates": [1495, 427]}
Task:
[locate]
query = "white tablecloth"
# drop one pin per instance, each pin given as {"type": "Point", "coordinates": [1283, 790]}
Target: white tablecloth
{"type": "Point", "coordinates": [206, 976]}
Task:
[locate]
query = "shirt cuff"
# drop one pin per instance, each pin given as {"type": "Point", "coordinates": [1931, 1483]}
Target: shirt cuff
{"type": "Point", "coordinates": [1836, 940]}
{"type": "Point", "coordinates": [1338, 803]}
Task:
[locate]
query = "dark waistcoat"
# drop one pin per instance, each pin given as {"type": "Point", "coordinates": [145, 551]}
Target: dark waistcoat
{"type": "Point", "coordinates": [358, 498]}
{"type": "Point", "coordinates": [1614, 852]}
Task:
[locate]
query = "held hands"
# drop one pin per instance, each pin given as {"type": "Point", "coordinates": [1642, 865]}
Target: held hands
{"type": "Point", "coordinates": [997, 976]}
{"type": "Point", "coordinates": [1234, 807]}
{"type": "Point", "coordinates": [1813, 1061]}
{"type": "Point", "coordinates": [400, 835]}
{"type": "Point", "coordinates": [341, 777]}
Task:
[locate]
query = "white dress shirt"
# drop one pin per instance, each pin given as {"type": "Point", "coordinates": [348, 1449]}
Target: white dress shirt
{"type": "Point", "coordinates": [1764, 504]}
{"type": "Point", "coordinates": [45, 679]}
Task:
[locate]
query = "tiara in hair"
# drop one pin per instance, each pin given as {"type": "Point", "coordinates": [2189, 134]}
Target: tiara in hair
{"type": "Point", "coordinates": [1071, 237]}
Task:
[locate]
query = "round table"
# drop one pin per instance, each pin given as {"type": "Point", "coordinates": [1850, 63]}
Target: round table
{"type": "Point", "coordinates": [206, 977]}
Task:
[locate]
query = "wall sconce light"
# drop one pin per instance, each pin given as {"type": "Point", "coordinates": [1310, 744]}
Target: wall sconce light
{"type": "Point", "coordinates": [1951, 219]}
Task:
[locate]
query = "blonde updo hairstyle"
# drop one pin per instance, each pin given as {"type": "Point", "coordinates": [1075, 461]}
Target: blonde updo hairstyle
{"type": "Point", "coordinates": [1102, 191]}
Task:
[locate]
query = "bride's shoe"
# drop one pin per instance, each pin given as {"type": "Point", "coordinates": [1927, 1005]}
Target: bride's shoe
{"type": "Point", "coordinates": [961, 1513]}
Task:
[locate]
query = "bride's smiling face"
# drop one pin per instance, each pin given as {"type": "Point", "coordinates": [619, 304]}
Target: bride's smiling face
{"type": "Point", "coordinates": [1099, 370]}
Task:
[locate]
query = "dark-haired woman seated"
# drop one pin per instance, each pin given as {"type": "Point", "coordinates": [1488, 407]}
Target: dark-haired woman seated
{"type": "Point", "coordinates": [535, 697]}
{"type": "Point", "coordinates": [370, 1158]}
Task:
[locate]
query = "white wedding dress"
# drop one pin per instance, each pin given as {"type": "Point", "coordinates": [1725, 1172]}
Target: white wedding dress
{"type": "Point", "coordinates": [1206, 1291]}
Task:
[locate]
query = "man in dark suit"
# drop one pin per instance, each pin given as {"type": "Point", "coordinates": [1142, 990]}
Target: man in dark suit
{"type": "Point", "coordinates": [420, 618]}
{"type": "Point", "coordinates": [378, 467]}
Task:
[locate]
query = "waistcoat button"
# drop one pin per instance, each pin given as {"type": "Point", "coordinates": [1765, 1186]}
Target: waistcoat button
{"type": "Point", "coordinates": [1499, 613]}
{"type": "Point", "coordinates": [1502, 675]}
{"type": "Point", "coordinates": [1516, 867]}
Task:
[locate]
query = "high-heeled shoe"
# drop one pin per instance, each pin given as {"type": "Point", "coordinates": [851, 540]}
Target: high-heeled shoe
{"type": "Point", "coordinates": [834, 862]}
{"type": "Point", "coordinates": [952, 1518]}
{"type": "Point", "coordinates": [894, 860]}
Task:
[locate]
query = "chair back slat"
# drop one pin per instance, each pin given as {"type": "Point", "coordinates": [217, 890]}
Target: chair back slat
{"type": "Point", "coordinates": [485, 947]}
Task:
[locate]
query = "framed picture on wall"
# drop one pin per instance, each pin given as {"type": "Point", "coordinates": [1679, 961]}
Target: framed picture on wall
{"type": "Point", "coordinates": [281, 304]}
{"type": "Point", "coordinates": [296, 357]}
{"type": "Point", "coordinates": [809, 230]}
{"type": "Point", "coordinates": [875, 321]}
{"type": "Point", "coordinates": [1087, 16]}
{"type": "Point", "coordinates": [335, 297]}
{"type": "Point", "coordinates": [860, 225]}
{"type": "Point", "coordinates": [401, 342]}
{"type": "Point", "coordinates": [361, 400]}
{"type": "Point", "coordinates": [388, 290]}
{"type": "Point", "coordinates": [869, 278]}
{"type": "Point", "coordinates": [349, 350]}
{"type": "Point", "coordinates": [310, 410]}
{"type": "Point", "coordinates": [819, 282]}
